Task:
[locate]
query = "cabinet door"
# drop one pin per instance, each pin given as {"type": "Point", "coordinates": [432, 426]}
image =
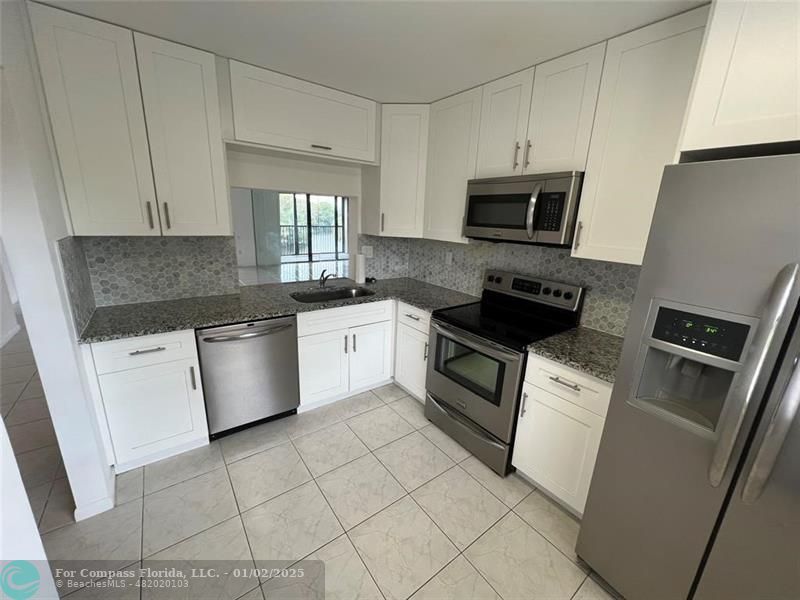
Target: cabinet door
{"type": "Point", "coordinates": [323, 365]}
{"type": "Point", "coordinates": [747, 89]}
{"type": "Point", "coordinates": [370, 354]}
{"type": "Point", "coordinates": [179, 89]}
{"type": "Point", "coordinates": [556, 445]}
{"type": "Point", "coordinates": [152, 409]}
{"type": "Point", "coordinates": [504, 121]}
{"type": "Point", "coordinates": [562, 111]}
{"type": "Point", "coordinates": [404, 156]}
{"type": "Point", "coordinates": [640, 108]}
{"type": "Point", "coordinates": [277, 110]}
{"type": "Point", "coordinates": [452, 151]}
{"type": "Point", "coordinates": [92, 88]}
{"type": "Point", "coordinates": [411, 353]}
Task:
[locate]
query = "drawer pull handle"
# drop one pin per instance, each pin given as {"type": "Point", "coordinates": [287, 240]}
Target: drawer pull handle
{"type": "Point", "coordinates": [425, 353]}
{"type": "Point", "coordinates": [412, 317]}
{"type": "Point", "coordinates": [194, 380]}
{"type": "Point", "coordinates": [522, 408]}
{"type": "Point", "coordinates": [146, 351]}
{"type": "Point", "coordinates": [558, 380]}
{"type": "Point", "coordinates": [321, 147]}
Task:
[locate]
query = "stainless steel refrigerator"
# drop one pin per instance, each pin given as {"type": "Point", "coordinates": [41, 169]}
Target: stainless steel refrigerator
{"type": "Point", "coordinates": [696, 491]}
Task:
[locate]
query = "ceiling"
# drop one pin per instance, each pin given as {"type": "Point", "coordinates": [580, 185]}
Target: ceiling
{"type": "Point", "coordinates": [388, 51]}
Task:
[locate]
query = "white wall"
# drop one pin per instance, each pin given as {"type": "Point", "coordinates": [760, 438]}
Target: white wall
{"type": "Point", "coordinates": [243, 232]}
{"type": "Point", "coordinates": [19, 535]}
{"type": "Point", "coordinates": [8, 319]}
{"type": "Point", "coordinates": [33, 219]}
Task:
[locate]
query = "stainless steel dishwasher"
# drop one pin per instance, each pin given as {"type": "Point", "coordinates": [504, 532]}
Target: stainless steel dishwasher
{"type": "Point", "coordinates": [249, 371]}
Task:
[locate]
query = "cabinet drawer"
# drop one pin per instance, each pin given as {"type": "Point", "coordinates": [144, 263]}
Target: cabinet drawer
{"type": "Point", "coordinates": [131, 353]}
{"type": "Point", "coordinates": [583, 390]}
{"type": "Point", "coordinates": [413, 317]}
{"type": "Point", "coordinates": [344, 317]}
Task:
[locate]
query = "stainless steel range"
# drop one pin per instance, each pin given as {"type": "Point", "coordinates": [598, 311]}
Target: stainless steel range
{"type": "Point", "coordinates": [478, 354]}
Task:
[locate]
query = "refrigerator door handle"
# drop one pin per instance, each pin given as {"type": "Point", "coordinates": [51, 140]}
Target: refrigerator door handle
{"type": "Point", "coordinates": [780, 305]}
{"type": "Point", "coordinates": [778, 429]}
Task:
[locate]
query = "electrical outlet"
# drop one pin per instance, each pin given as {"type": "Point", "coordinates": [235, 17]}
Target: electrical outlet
{"type": "Point", "coordinates": [366, 251]}
{"type": "Point", "coordinates": [448, 258]}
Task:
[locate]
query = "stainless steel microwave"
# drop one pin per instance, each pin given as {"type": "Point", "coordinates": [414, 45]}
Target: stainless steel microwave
{"type": "Point", "coordinates": [532, 209]}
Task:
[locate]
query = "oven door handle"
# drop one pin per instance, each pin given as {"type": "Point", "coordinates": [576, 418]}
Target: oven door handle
{"type": "Point", "coordinates": [537, 189]}
{"type": "Point", "coordinates": [475, 343]}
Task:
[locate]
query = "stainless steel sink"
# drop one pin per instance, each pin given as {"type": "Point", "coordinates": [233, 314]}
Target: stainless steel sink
{"type": "Point", "coordinates": [332, 293]}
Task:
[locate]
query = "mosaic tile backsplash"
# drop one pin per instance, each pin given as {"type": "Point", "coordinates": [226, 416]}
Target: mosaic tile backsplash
{"type": "Point", "coordinates": [611, 286]}
{"type": "Point", "coordinates": [76, 277]}
{"type": "Point", "coordinates": [123, 270]}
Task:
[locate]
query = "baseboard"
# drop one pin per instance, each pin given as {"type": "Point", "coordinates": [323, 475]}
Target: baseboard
{"type": "Point", "coordinates": [94, 508]}
{"type": "Point", "coordinates": [162, 454]}
{"type": "Point", "coordinates": [306, 407]}
{"type": "Point", "coordinates": [10, 334]}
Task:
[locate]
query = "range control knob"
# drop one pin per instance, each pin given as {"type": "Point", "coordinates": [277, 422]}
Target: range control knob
{"type": "Point", "coordinates": [568, 295]}
{"type": "Point", "coordinates": [490, 278]}
{"type": "Point", "coordinates": [546, 291]}
{"type": "Point", "coordinates": [498, 279]}
{"type": "Point", "coordinates": [556, 293]}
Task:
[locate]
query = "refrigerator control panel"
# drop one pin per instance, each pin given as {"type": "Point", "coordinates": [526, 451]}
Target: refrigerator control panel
{"type": "Point", "coordinates": [718, 337]}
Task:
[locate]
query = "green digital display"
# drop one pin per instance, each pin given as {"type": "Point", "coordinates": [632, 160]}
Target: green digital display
{"type": "Point", "coordinates": [687, 324]}
{"type": "Point", "coordinates": [711, 329]}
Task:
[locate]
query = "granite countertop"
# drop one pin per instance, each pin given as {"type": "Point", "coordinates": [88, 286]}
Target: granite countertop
{"type": "Point", "coordinates": [586, 350]}
{"type": "Point", "coordinates": [249, 304]}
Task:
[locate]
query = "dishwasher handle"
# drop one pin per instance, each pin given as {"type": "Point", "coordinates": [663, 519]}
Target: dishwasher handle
{"type": "Point", "coordinates": [247, 335]}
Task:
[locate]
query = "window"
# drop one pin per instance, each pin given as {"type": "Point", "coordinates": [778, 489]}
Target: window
{"type": "Point", "coordinates": [289, 236]}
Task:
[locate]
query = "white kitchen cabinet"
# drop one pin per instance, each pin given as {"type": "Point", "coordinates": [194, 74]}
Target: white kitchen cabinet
{"type": "Point", "coordinates": [370, 355]}
{"type": "Point", "coordinates": [556, 445]}
{"type": "Point", "coordinates": [411, 360]}
{"type": "Point", "coordinates": [92, 88]}
{"type": "Point", "coordinates": [452, 152]}
{"type": "Point", "coordinates": [179, 90]}
{"type": "Point", "coordinates": [404, 156]}
{"type": "Point", "coordinates": [152, 396]}
{"type": "Point", "coordinates": [747, 86]}
{"type": "Point", "coordinates": [503, 125]}
{"type": "Point", "coordinates": [281, 111]}
{"type": "Point", "coordinates": [640, 107]}
{"type": "Point", "coordinates": [323, 366]}
{"type": "Point", "coordinates": [562, 111]}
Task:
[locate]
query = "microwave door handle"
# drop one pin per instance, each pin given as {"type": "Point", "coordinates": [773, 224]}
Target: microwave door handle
{"type": "Point", "coordinates": [537, 189]}
{"type": "Point", "coordinates": [782, 300]}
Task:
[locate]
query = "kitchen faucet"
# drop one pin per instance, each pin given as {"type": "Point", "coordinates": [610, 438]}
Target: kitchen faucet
{"type": "Point", "coordinates": [323, 279]}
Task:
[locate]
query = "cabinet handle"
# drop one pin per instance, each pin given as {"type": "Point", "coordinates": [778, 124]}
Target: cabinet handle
{"type": "Point", "coordinates": [516, 154]}
{"type": "Point", "coordinates": [194, 380]}
{"type": "Point", "coordinates": [150, 214]}
{"type": "Point", "coordinates": [345, 343]}
{"type": "Point", "coordinates": [146, 351]}
{"type": "Point", "coordinates": [425, 354]}
{"type": "Point", "coordinates": [526, 159]}
{"type": "Point", "coordinates": [166, 215]}
{"type": "Point", "coordinates": [383, 221]}
{"type": "Point", "coordinates": [522, 407]}
{"type": "Point", "coordinates": [320, 147]}
{"type": "Point", "coordinates": [578, 230]}
{"type": "Point", "coordinates": [414, 317]}
{"type": "Point", "coordinates": [570, 385]}
{"type": "Point", "coordinates": [354, 343]}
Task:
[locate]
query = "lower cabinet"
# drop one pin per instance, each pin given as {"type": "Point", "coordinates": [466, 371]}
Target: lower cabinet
{"type": "Point", "coordinates": [370, 354]}
{"type": "Point", "coordinates": [411, 359]}
{"type": "Point", "coordinates": [324, 365]}
{"type": "Point", "coordinates": [152, 397]}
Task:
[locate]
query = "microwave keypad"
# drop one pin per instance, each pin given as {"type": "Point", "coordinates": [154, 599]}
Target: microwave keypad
{"type": "Point", "coordinates": [551, 211]}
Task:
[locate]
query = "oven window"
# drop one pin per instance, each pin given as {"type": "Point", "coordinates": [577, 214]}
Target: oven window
{"type": "Point", "coordinates": [506, 211]}
{"type": "Point", "coordinates": [469, 368]}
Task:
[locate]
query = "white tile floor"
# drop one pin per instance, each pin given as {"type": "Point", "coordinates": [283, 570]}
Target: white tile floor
{"type": "Point", "coordinates": [394, 507]}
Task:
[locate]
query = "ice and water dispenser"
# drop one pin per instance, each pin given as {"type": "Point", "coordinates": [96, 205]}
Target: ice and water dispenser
{"type": "Point", "coordinates": [687, 363]}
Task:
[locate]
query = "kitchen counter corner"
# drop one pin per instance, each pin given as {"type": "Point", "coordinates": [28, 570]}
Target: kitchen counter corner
{"type": "Point", "coordinates": [586, 350]}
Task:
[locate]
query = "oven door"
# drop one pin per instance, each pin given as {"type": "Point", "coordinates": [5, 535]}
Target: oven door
{"type": "Point", "coordinates": [478, 378]}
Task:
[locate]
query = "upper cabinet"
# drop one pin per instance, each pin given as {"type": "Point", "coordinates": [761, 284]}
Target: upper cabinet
{"type": "Point", "coordinates": [562, 111]}
{"type": "Point", "coordinates": [183, 123]}
{"type": "Point", "coordinates": [101, 120]}
{"type": "Point", "coordinates": [640, 108]}
{"type": "Point", "coordinates": [281, 111]}
{"type": "Point", "coordinates": [746, 90]}
{"type": "Point", "coordinates": [503, 125]}
{"type": "Point", "coordinates": [93, 96]}
{"type": "Point", "coordinates": [452, 153]}
{"type": "Point", "coordinates": [404, 154]}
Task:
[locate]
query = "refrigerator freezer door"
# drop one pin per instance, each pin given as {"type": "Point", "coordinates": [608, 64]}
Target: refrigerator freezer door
{"type": "Point", "coordinates": [721, 233]}
{"type": "Point", "coordinates": [754, 554]}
